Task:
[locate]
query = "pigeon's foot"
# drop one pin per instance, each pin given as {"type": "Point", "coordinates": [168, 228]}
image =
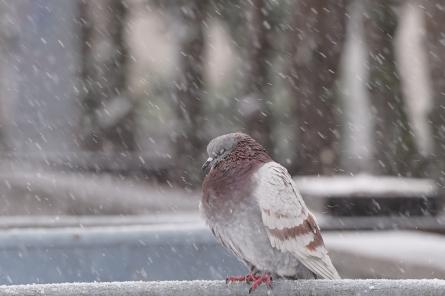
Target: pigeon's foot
{"type": "Point", "coordinates": [255, 279]}
{"type": "Point", "coordinates": [264, 278]}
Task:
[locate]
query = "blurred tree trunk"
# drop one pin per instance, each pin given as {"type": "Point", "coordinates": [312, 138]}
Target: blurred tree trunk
{"type": "Point", "coordinates": [395, 150]}
{"type": "Point", "coordinates": [317, 38]}
{"type": "Point", "coordinates": [189, 89]}
{"type": "Point", "coordinates": [9, 48]}
{"type": "Point", "coordinates": [251, 28]}
{"type": "Point", "coordinates": [255, 105]}
{"type": "Point", "coordinates": [435, 48]}
{"type": "Point", "coordinates": [108, 115]}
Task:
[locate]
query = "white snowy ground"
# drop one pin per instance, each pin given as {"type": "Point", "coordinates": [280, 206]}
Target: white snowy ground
{"type": "Point", "coordinates": [216, 288]}
{"type": "Point", "coordinates": [27, 190]}
{"type": "Point", "coordinates": [31, 196]}
{"type": "Point", "coordinates": [30, 190]}
{"type": "Point", "coordinates": [387, 254]}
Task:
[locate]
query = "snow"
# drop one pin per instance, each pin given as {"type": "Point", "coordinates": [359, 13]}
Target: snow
{"type": "Point", "coordinates": [198, 288]}
{"type": "Point", "coordinates": [58, 221]}
{"type": "Point", "coordinates": [40, 115]}
{"type": "Point", "coordinates": [393, 246]}
{"type": "Point", "coordinates": [395, 254]}
{"type": "Point", "coordinates": [366, 186]}
{"type": "Point", "coordinates": [31, 190]}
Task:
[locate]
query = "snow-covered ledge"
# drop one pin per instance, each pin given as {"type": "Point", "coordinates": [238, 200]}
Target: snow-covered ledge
{"type": "Point", "coordinates": [201, 288]}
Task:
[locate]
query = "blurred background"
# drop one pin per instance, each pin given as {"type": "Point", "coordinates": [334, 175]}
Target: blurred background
{"type": "Point", "coordinates": [106, 107]}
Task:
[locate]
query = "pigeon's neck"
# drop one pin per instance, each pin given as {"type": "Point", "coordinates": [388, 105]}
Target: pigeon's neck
{"type": "Point", "coordinates": [231, 177]}
{"type": "Point", "coordinates": [242, 162]}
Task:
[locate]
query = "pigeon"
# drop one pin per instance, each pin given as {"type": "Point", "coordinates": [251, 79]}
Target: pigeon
{"type": "Point", "coordinates": [255, 210]}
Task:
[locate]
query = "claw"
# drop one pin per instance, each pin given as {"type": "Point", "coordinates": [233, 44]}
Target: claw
{"type": "Point", "coordinates": [265, 278]}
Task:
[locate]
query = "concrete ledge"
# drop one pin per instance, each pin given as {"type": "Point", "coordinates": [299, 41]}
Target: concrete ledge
{"type": "Point", "coordinates": [303, 287]}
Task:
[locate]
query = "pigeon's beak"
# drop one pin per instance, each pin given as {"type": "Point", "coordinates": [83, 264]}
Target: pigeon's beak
{"type": "Point", "coordinates": [206, 166]}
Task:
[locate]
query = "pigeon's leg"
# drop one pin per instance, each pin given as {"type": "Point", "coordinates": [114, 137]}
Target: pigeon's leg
{"type": "Point", "coordinates": [265, 278]}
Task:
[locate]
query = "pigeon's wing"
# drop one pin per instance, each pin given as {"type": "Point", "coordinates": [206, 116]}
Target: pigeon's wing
{"type": "Point", "coordinates": [289, 224]}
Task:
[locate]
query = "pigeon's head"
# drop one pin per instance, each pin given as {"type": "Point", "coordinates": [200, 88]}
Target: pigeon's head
{"type": "Point", "coordinates": [220, 147]}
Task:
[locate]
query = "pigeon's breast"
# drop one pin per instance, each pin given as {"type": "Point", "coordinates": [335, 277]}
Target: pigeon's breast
{"type": "Point", "coordinates": [234, 216]}
{"type": "Point", "coordinates": [227, 186]}
{"type": "Point", "coordinates": [243, 233]}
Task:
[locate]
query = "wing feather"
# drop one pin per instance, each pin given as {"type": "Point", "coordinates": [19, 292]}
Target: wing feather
{"type": "Point", "coordinates": [289, 224]}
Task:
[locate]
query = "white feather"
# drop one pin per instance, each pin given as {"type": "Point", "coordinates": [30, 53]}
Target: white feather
{"type": "Point", "coordinates": [283, 207]}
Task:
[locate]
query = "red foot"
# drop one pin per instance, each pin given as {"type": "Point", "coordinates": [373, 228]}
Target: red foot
{"type": "Point", "coordinates": [256, 279]}
{"type": "Point", "coordinates": [265, 278]}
